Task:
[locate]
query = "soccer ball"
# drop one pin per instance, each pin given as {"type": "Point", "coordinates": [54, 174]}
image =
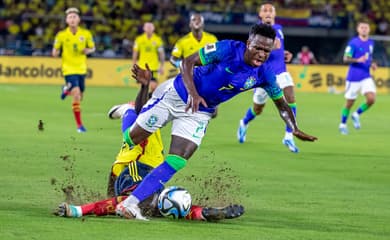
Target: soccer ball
{"type": "Point", "coordinates": [174, 201]}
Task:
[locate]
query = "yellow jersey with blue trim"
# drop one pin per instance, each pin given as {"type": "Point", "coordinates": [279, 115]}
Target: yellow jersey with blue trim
{"type": "Point", "coordinates": [148, 49]}
{"type": "Point", "coordinates": [74, 61]}
{"type": "Point", "coordinates": [149, 152]}
{"type": "Point", "coordinates": [188, 44]}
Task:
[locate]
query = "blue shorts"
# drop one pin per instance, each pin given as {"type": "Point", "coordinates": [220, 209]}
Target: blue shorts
{"type": "Point", "coordinates": [75, 80]}
{"type": "Point", "coordinates": [130, 177]}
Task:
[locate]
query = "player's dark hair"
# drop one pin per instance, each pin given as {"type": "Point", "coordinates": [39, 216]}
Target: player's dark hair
{"type": "Point", "coordinates": [267, 2]}
{"type": "Point", "coordinates": [261, 29]}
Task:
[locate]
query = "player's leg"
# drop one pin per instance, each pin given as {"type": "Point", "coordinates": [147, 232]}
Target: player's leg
{"type": "Point", "coordinates": [176, 160]}
{"type": "Point", "coordinates": [117, 111]}
{"type": "Point", "coordinates": [77, 86]}
{"type": "Point", "coordinates": [187, 133]}
{"type": "Point", "coordinates": [286, 83]}
{"type": "Point", "coordinates": [369, 91]}
{"type": "Point", "coordinates": [215, 213]}
{"type": "Point", "coordinates": [259, 100]}
{"type": "Point", "coordinates": [99, 208]}
{"type": "Point", "coordinates": [351, 92]}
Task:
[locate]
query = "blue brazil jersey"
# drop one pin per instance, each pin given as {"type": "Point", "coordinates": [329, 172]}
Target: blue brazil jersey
{"type": "Point", "coordinates": [224, 74]}
{"type": "Point", "coordinates": [276, 58]}
{"type": "Point", "coordinates": [355, 49]}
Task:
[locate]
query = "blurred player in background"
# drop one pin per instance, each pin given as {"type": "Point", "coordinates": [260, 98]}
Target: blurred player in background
{"type": "Point", "coordinates": [225, 69]}
{"type": "Point", "coordinates": [74, 43]}
{"type": "Point", "coordinates": [277, 59]}
{"type": "Point", "coordinates": [191, 42]}
{"type": "Point", "coordinates": [132, 165]}
{"type": "Point", "coordinates": [358, 54]}
{"type": "Point", "coordinates": [149, 48]}
{"type": "Point", "coordinates": [305, 56]}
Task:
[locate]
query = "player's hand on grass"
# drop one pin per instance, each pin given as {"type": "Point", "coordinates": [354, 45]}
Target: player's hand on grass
{"type": "Point", "coordinates": [303, 136]}
{"type": "Point", "coordinates": [140, 75]}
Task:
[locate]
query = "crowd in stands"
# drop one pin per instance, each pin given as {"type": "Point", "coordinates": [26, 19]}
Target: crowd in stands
{"type": "Point", "coordinates": [28, 27]}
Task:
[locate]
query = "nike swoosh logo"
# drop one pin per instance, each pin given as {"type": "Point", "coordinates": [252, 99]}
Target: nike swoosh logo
{"type": "Point", "coordinates": [227, 69]}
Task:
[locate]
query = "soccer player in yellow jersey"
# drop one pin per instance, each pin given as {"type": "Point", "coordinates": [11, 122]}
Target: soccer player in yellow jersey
{"type": "Point", "coordinates": [149, 48]}
{"type": "Point", "coordinates": [74, 43]}
{"type": "Point", "coordinates": [193, 41]}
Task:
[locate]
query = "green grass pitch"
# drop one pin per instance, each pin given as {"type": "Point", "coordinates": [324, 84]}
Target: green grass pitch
{"type": "Point", "coordinates": [336, 188]}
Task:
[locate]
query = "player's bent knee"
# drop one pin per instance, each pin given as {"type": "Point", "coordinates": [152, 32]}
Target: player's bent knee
{"type": "Point", "coordinates": [176, 162]}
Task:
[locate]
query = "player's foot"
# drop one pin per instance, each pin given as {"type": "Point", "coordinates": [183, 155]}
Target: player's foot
{"type": "Point", "coordinates": [130, 212]}
{"type": "Point", "coordinates": [64, 92]}
{"type": "Point", "coordinates": [228, 212]}
{"type": "Point", "coordinates": [241, 132]}
{"type": "Point", "coordinates": [117, 111]}
{"type": "Point", "coordinates": [355, 120]}
{"type": "Point", "coordinates": [67, 210]}
{"type": "Point", "coordinates": [290, 144]}
{"type": "Point", "coordinates": [81, 129]}
{"type": "Point", "coordinates": [343, 129]}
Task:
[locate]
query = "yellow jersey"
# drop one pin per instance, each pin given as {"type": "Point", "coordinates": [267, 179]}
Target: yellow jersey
{"type": "Point", "coordinates": [188, 44]}
{"type": "Point", "coordinates": [149, 152]}
{"type": "Point", "coordinates": [148, 49]}
{"type": "Point", "coordinates": [74, 61]}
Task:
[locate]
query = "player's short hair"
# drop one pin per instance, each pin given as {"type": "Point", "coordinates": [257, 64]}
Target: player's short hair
{"type": "Point", "coordinates": [362, 20]}
{"type": "Point", "coordinates": [264, 30]}
{"type": "Point", "coordinates": [266, 2]}
{"type": "Point", "coordinates": [72, 10]}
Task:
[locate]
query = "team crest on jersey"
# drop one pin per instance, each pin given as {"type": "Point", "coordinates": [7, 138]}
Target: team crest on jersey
{"type": "Point", "coordinates": [249, 83]}
{"type": "Point", "coordinates": [152, 121]}
{"type": "Point", "coordinates": [81, 38]}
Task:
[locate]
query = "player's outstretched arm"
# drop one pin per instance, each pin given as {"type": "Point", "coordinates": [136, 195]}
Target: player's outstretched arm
{"type": "Point", "coordinates": [143, 77]}
{"type": "Point", "coordinates": [288, 116]}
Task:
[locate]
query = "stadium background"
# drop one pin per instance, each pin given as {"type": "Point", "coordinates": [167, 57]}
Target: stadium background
{"type": "Point", "coordinates": [27, 28]}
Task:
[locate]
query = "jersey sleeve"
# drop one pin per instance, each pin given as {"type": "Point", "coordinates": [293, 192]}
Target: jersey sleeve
{"type": "Point", "coordinates": [177, 50]}
{"type": "Point", "coordinates": [136, 44]}
{"type": "Point", "coordinates": [160, 44]}
{"type": "Point", "coordinates": [349, 50]}
{"type": "Point", "coordinates": [90, 41]}
{"type": "Point", "coordinates": [215, 52]}
{"type": "Point", "coordinates": [58, 41]}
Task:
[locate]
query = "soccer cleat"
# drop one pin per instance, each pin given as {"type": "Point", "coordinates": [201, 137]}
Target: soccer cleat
{"type": "Point", "coordinates": [290, 144]}
{"type": "Point", "coordinates": [343, 129]}
{"type": "Point", "coordinates": [355, 120]}
{"type": "Point", "coordinates": [81, 129]}
{"type": "Point", "coordinates": [117, 111]}
{"type": "Point", "coordinates": [228, 212]}
{"type": "Point", "coordinates": [130, 212]}
{"type": "Point", "coordinates": [67, 210]}
{"type": "Point", "coordinates": [241, 132]}
{"type": "Point", "coordinates": [64, 92]}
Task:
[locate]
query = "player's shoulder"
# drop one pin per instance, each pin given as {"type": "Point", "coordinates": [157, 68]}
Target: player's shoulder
{"type": "Point", "coordinates": [185, 38]}
{"type": "Point", "coordinates": [277, 26]}
{"type": "Point", "coordinates": [62, 32]}
{"type": "Point", "coordinates": [209, 35]}
{"type": "Point", "coordinates": [85, 31]}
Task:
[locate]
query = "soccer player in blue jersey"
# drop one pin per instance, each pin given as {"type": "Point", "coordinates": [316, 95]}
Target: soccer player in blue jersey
{"type": "Point", "coordinates": [277, 60]}
{"type": "Point", "coordinates": [358, 54]}
{"type": "Point", "coordinates": [225, 69]}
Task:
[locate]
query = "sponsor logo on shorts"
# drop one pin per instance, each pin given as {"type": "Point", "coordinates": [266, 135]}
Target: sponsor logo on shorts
{"type": "Point", "coordinates": [152, 121]}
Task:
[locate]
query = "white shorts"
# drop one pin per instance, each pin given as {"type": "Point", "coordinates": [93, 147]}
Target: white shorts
{"type": "Point", "coordinates": [158, 111]}
{"type": "Point", "coordinates": [283, 80]}
{"type": "Point", "coordinates": [352, 88]}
